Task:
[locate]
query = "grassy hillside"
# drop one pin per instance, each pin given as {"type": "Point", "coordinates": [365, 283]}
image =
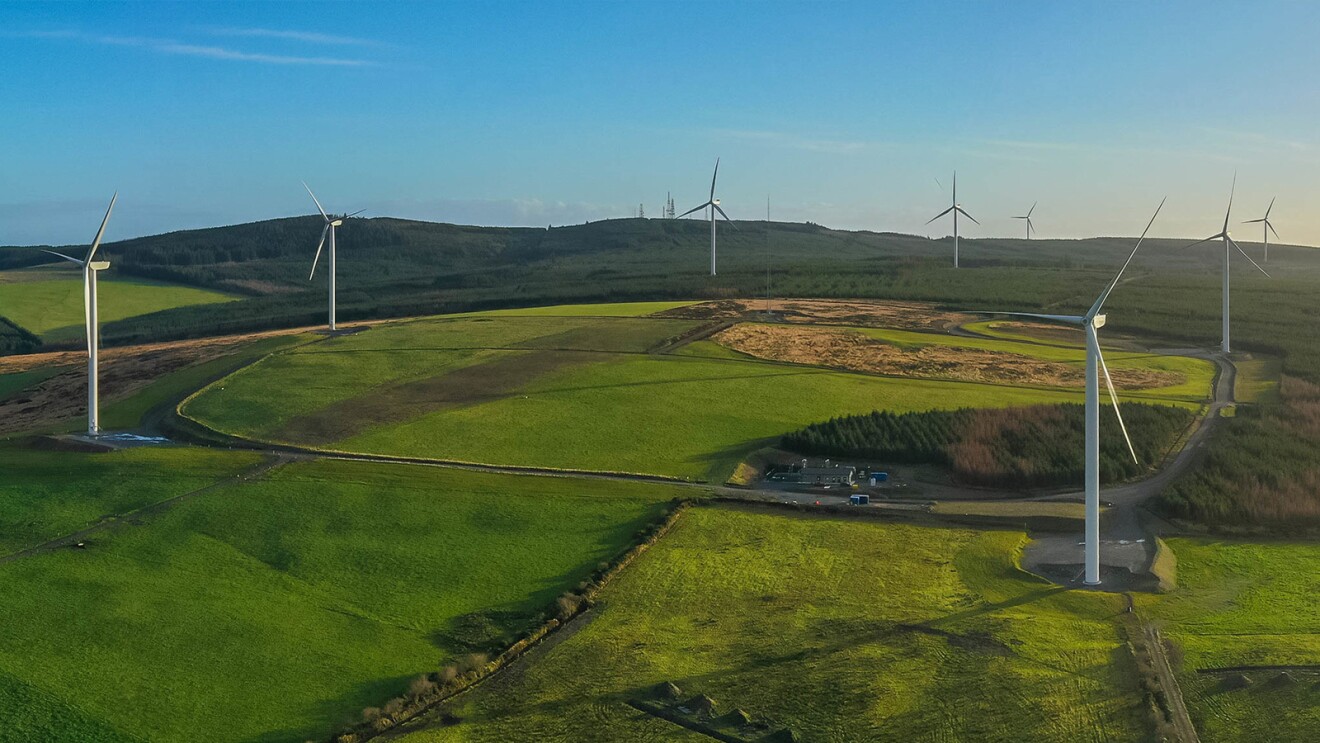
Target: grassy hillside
{"type": "Point", "coordinates": [838, 630]}
{"type": "Point", "coordinates": [572, 391]}
{"type": "Point", "coordinates": [1244, 604]}
{"type": "Point", "coordinates": [50, 304]}
{"type": "Point", "coordinates": [277, 608]}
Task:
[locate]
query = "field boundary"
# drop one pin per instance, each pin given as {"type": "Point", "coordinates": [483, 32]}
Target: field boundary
{"type": "Point", "coordinates": [411, 708]}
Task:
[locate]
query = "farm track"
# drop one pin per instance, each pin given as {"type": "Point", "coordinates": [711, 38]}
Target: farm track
{"type": "Point", "coordinates": [1182, 721]}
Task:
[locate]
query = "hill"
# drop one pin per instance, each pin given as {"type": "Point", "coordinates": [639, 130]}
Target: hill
{"type": "Point", "coordinates": [393, 267]}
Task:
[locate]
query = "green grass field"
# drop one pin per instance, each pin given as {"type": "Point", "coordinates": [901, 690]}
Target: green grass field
{"type": "Point", "coordinates": [1257, 380]}
{"type": "Point", "coordinates": [1241, 603]}
{"type": "Point", "coordinates": [840, 630]}
{"type": "Point", "coordinates": [53, 308]}
{"type": "Point", "coordinates": [47, 494]}
{"type": "Point", "coordinates": [575, 392]}
{"type": "Point", "coordinates": [276, 609]}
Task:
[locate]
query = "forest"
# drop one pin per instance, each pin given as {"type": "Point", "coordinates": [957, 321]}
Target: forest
{"type": "Point", "coordinates": [1037, 446]}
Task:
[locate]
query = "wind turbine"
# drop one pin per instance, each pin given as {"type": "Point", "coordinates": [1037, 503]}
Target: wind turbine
{"type": "Point", "coordinates": [1027, 216]}
{"type": "Point", "coordinates": [1229, 243]}
{"type": "Point", "coordinates": [90, 267]}
{"type": "Point", "coordinates": [330, 225]}
{"type": "Point", "coordinates": [1091, 322]}
{"type": "Point", "coordinates": [1267, 227]}
{"type": "Point", "coordinates": [714, 205]}
{"type": "Point", "coordinates": [956, 209]}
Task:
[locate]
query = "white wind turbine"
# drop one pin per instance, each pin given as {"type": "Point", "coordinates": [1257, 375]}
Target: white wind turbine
{"type": "Point", "coordinates": [1267, 227]}
{"type": "Point", "coordinates": [1229, 244]}
{"type": "Point", "coordinates": [956, 209]}
{"type": "Point", "coordinates": [330, 225]}
{"type": "Point", "coordinates": [1090, 322]}
{"type": "Point", "coordinates": [714, 205]}
{"type": "Point", "coordinates": [89, 268]}
{"type": "Point", "coordinates": [1027, 216]}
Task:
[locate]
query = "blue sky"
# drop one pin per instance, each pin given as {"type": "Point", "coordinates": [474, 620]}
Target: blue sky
{"type": "Point", "coordinates": [508, 113]}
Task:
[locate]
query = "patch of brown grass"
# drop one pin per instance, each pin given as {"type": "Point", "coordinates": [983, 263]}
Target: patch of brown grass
{"type": "Point", "coordinates": [861, 313]}
{"type": "Point", "coordinates": [840, 348]}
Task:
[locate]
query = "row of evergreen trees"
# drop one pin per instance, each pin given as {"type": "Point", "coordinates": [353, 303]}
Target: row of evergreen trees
{"type": "Point", "coordinates": [1024, 447]}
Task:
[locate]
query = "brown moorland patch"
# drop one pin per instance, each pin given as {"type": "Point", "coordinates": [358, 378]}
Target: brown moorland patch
{"type": "Point", "coordinates": [859, 312]}
{"type": "Point", "coordinates": [840, 348]}
{"type": "Point", "coordinates": [124, 371]}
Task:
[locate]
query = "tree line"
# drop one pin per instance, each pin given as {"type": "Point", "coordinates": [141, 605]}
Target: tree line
{"type": "Point", "coordinates": [1022, 447]}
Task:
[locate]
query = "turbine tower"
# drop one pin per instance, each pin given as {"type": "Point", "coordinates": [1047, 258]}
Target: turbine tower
{"type": "Point", "coordinates": [330, 225]}
{"type": "Point", "coordinates": [89, 268]}
{"type": "Point", "coordinates": [1267, 227]}
{"type": "Point", "coordinates": [956, 209]}
{"type": "Point", "coordinates": [1027, 216]}
{"type": "Point", "coordinates": [1229, 244]}
{"type": "Point", "coordinates": [714, 205]}
{"type": "Point", "coordinates": [1091, 322]}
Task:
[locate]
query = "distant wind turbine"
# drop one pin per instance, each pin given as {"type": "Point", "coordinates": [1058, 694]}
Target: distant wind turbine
{"type": "Point", "coordinates": [714, 205]}
{"type": "Point", "coordinates": [1027, 217]}
{"type": "Point", "coordinates": [1267, 227]}
{"type": "Point", "coordinates": [956, 209]}
{"type": "Point", "coordinates": [330, 225]}
{"type": "Point", "coordinates": [1091, 322]}
{"type": "Point", "coordinates": [1229, 243]}
{"type": "Point", "coordinates": [90, 267]}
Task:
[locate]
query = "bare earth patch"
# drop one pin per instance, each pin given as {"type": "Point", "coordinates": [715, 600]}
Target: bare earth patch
{"type": "Point", "coordinates": [859, 312]}
{"type": "Point", "coordinates": [124, 371]}
{"type": "Point", "coordinates": [840, 348]}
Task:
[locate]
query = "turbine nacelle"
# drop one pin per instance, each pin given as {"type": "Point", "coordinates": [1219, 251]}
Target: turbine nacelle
{"type": "Point", "coordinates": [1098, 322]}
{"type": "Point", "coordinates": [99, 265]}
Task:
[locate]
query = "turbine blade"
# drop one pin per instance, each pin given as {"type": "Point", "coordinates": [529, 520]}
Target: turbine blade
{"type": "Point", "coordinates": [965, 214]}
{"type": "Point", "coordinates": [1031, 228]}
{"type": "Point", "coordinates": [1271, 206]}
{"type": "Point", "coordinates": [1033, 208]}
{"type": "Point", "coordinates": [65, 257]}
{"type": "Point", "coordinates": [1252, 221]}
{"type": "Point", "coordinates": [101, 232]}
{"type": "Point", "coordinates": [1064, 319]}
{"type": "Point", "coordinates": [354, 214]}
{"type": "Point", "coordinates": [937, 216]}
{"type": "Point", "coordinates": [1198, 242]}
{"type": "Point", "coordinates": [319, 245]}
{"type": "Point", "coordinates": [1271, 226]}
{"type": "Point", "coordinates": [693, 209]}
{"type": "Point", "coordinates": [1095, 308]}
{"type": "Point", "coordinates": [713, 177]}
{"type": "Point", "coordinates": [1230, 202]}
{"type": "Point", "coordinates": [318, 204]}
{"type": "Point", "coordinates": [1244, 255]}
{"type": "Point", "coordinates": [941, 185]}
{"type": "Point", "coordinates": [726, 217]}
{"type": "Point", "coordinates": [1113, 396]}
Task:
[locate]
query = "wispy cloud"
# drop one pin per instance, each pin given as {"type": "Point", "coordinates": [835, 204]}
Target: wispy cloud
{"type": "Point", "coordinates": [1260, 141]}
{"type": "Point", "coordinates": [310, 37]}
{"type": "Point", "coordinates": [171, 46]}
{"type": "Point", "coordinates": [798, 141]}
